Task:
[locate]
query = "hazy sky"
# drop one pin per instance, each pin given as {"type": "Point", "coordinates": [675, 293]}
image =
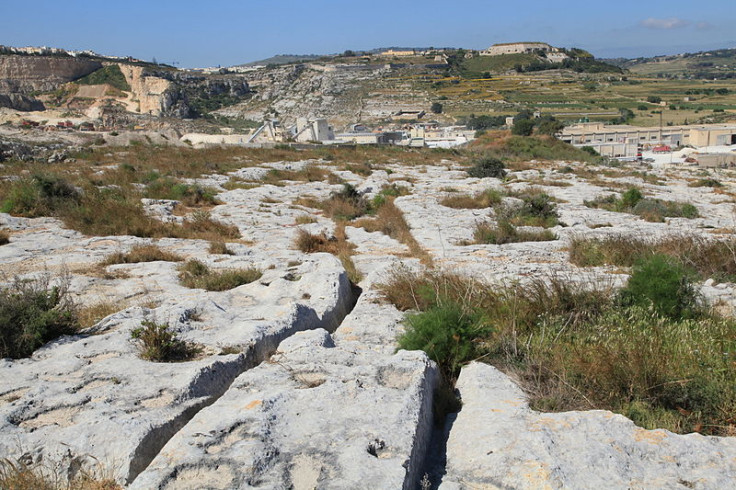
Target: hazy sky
{"type": "Point", "coordinates": [219, 32]}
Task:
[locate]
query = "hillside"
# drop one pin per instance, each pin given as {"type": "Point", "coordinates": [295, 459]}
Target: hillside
{"type": "Point", "coordinates": [718, 64]}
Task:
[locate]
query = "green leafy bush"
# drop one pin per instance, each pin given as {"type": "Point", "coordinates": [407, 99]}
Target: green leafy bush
{"type": "Point", "coordinates": [447, 334]}
{"type": "Point", "coordinates": [487, 167]}
{"type": "Point", "coordinates": [663, 283]}
{"type": "Point", "coordinates": [32, 312]}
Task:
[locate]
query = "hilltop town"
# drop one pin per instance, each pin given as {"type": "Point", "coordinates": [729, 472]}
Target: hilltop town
{"type": "Point", "coordinates": [404, 268]}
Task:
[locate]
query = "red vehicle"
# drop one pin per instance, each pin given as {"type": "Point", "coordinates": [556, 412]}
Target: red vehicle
{"type": "Point", "coordinates": [662, 149]}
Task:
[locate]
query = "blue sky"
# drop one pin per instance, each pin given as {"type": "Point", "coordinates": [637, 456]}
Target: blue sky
{"type": "Point", "coordinates": [219, 32]}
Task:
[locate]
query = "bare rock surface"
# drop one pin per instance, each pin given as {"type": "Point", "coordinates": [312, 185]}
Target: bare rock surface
{"type": "Point", "coordinates": [268, 404]}
{"type": "Point", "coordinates": [497, 441]}
{"type": "Point", "coordinates": [316, 415]}
{"type": "Point", "coordinates": [91, 396]}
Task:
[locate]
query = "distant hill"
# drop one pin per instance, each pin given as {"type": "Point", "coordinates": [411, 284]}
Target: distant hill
{"type": "Point", "coordinates": [284, 59]}
{"type": "Point", "coordinates": [716, 64]}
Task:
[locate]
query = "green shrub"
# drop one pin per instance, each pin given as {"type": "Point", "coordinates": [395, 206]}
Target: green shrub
{"type": "Point", "coordinates": [41, 195]}
{"type": "Point", "coordinates": [109, 74]}
{"type": "Point", "coordinates": [159, 344]}
{"type": "Point", "coordinates": [631, 198]}
{"type": "Point", "coordinates": [195, 274]}
{"type": "Point", "coordinates": [32, 312]}
{"type": "Point", "coordinates": [709, 182]}
{"type": "Point", "coordinates": [188, 194]}
{"type": "Point", "coordinates": [662, 283]}
{"type": "Point", "coordinates": [447, 334]}
{"type": "Point", "coordinates": [487, 167]}
{"type": "Point", "coordinates": [653, 210]}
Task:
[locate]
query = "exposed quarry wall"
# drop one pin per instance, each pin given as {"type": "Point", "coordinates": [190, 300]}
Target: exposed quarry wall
{"type": "Point", "coordinates": [23, 74]}
{"type": "Point", "coordinates": [150, 92]}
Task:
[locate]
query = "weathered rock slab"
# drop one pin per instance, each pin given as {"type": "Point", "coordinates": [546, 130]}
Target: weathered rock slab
{"type": "Point", "coordinates": [497, 441]}
{"type": "Point", "coordinates": [314, 416]}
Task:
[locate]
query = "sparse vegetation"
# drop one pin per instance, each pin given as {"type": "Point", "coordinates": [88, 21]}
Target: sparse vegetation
{"type": "Point", "coordinates": [654, 210]}
{"type": "Point", "coordinates": [4, 237]}
{"type": "Point", "coordinates": [15, 475]}
{"type": "Point", "coordinates": [708, 182]}
{"type": "Point", "coordinates": [110, 75]}
{"type": "Point", "coordinates": [220, 248]}
{"type": "Point", "coordinates": [142, 253]}
{"type": "Point", "coordinates": [33, 312]}
{"type": "Point", "coordinates": [487, 167]}
{"type": "Point", "coordinates": [195, 274]}
{"type": "Point", "coordinates": [158, 343]}
{"type": "Point", "coordinates": [336, 245]}
{"type": "Point", "coordinates": [575, 346]}
{"type": "Point", "coordinates": [709, 258]}
{"type": "Point", "coordinates": [505, 232]}
{"type": "Point", "coordinates": [485, 199]}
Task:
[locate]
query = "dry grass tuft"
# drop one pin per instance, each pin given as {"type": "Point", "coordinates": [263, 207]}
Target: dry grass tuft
{"type": "Point", "coordinates": [19, 476]}
{"type": "Point", "coordinates": [219, 248]}
{"type": "Point", "coordinates": [505, 232]}
{"type": "Point", "coordinates": [196, 275]}
{"type": "Point", "coordinates": [142, 253]}
{"type": "Point", "coordinates": [390, 221]}
{"type": "Point", "coordinates": [337, 245]}
{"type": "Point", "coordinates": [485, 199]}
{"type": "Point", "coordinates": [91, 314]}
{"type": "Point", "coordinates": [4, 237]}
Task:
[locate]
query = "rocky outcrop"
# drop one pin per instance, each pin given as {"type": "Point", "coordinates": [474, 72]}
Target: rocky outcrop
{"type": "Point", "coordinates": [151, 94]}
{"type": "Point", "coordinates": [315, 416]}
{"type": "Point", "coordinates": [497, 441]}
{"type": "Point", "coordinates": [20, 102]}
{"type": "Point", "coordinates": [24, 74]}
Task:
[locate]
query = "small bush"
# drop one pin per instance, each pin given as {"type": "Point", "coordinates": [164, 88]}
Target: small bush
{"type": "Point", "coordinates": [4, 237]}
{"type": "Point", "coordinates": [631, 198]}
{"type": "Point", "coordinates": [345, 205]}
{"type": "Point", "coordinates": [194, 274]}
{"type": "Point", "coordinates": [663, 283]}
{"type": "Point", "coordinates": [32, 313]}
{"type": "Point", "coordinates": [220, 248]}
{"type": "Point", "coordinates": [142, 253]}
{"type": "Point", "coordinates": [188, 194]}
{"type": "Point", "coordinates": [485, 199]}
{"type": "Point", "coordinates": [159, 344]}
{"type": "Point", "coordinates": [709, 182]}
{"type": "Point", "coordinates": [447, 334]}
{"type": "Point", "coordinates": [305, 219]}
{"type": "Point", "coordinates": [487, 167]}
{"type": "Point", "coordinates": [505, 232]}
{"type": "Point", "coordinates": [201, 225]}
{"type": "Point", "coordinates": [312, 243]}
{"type": "Point", "coordinates": [41, 195]}
{"type": "Point", "coordinates": [653, 210]}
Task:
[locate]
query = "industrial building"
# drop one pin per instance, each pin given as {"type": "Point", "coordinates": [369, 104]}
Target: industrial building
{"type": "Point", "coordinates": [625, 140]}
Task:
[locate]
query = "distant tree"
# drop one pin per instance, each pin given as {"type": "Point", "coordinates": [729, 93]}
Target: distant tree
{"type": "Point", "coordinates": [550, 126]}
{"type": "Point", "coordinates": [654, 99]}
{"type": "Point", "coordinates": [436, 108]}
{"type": "Point", "coordinates": [348, 53]}
{"type": "Point", "coordinates": [523, 127]}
